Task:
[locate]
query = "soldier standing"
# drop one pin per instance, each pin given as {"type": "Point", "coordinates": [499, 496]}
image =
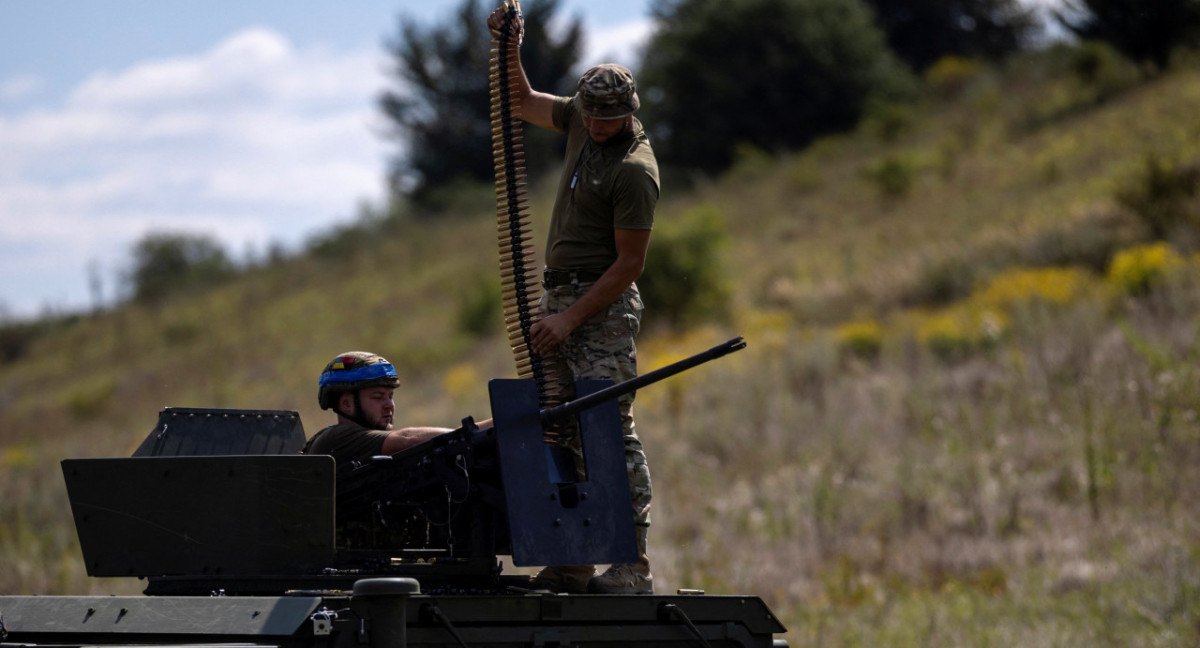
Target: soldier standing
{"type": "Point", "coordinates": [596, 249]}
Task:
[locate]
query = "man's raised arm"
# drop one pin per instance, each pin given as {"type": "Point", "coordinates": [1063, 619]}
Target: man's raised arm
{"type": "Point", "coordinates": [529, 104]}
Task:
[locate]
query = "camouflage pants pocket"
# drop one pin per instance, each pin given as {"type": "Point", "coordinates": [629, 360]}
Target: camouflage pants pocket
{"type": "Point", "coordinates": [623, 318]}
{"type": "Point", "coordinates": [640, 491]}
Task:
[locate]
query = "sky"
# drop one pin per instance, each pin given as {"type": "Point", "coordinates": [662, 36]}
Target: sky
{"type": "Point", "coordinates": [253, 122]}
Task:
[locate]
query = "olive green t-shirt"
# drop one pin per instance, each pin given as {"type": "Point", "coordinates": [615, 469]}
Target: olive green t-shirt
{"type": "Point", "coordinates": [602, 187]}
{"type": "Point", "coordinates": [347, 442]}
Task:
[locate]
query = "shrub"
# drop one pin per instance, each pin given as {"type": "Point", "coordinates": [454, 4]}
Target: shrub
{"type": "Point", "coordinates": [479, 306]}
{"type": "Point", "coordinates": [887, 120]}
{"type": "Point", "coordinates": [750, 161]}
{"type": "Point", "coordinates": [946, 335]}
{"type": "Point", "coordinates": [953, 333]}
{"type": "Point", "coordinates": [15, 340]}
{"type": "Point", "coordinates": [166, 263]}
{"type": "Point", "coordinates": [893, 174]}
{"type": "Point", "coordinates": [1137, 270]}
{"type": "Point", "coordinates": [942, 282]}
{"type": "Point", "coordinates": [89, 401]}
{"type": "Point", "coordinates": [1051, 285]}
{"type": "Point", "coordinates": [1164, 195]}
{"type": "Point", "coordinates": [863, 339]}
{"type": "Point", "coordinates": [18, 337]}
{"type": "Point", "coordinates": [684, 278]}
{"type": "Point", "coordinates": [951, 75]}
{"type": "Point", "coordinates": [1101, 66]}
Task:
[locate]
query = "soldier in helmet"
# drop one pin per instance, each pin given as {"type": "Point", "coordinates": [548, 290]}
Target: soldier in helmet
{"type": "Point", "coordinates": [596, 249]}
{"type": "Point", "coordinates": [358, 387]}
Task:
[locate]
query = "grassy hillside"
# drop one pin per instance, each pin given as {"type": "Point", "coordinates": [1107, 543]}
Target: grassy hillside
{"type": "Point", "coordinates": [966, 416]}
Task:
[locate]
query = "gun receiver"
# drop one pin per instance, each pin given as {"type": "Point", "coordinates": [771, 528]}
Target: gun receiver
{"type": "Point", "coordinates": [571, 408]}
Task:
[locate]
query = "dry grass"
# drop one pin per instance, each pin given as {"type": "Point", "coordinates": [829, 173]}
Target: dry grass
{"type": "Point", "coordinates": [913, 503]}
{"type": "Point", "coordinates": [1037, 490]}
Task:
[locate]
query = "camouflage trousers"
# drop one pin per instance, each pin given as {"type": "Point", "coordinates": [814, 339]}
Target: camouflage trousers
{"type": "Point", "coordinates": [603, 348]}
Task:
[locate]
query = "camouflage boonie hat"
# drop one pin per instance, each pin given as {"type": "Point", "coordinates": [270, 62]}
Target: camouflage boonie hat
{"type": "Point", "coordinates": [352, 371]}
{"type": "Point", "coordinates": [607, 91]}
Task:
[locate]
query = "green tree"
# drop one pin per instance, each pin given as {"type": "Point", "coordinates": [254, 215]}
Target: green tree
{"type": "Point", "coordinates": [440, 106]}
{"type": "Point", "coordinates": [165, 263]}
{"type": "Point", "coordinates": [773, 74]}
{"type": "Point", "coordinates": [1147, 31]}
{"type": "Point", "coordinates": [923, 31]}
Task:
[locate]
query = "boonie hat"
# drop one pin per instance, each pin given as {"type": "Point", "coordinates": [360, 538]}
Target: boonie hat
{"type": "Point", "coordinates": [607, 91]}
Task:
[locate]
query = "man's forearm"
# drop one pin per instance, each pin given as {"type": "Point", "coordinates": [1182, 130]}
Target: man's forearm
{"type": "Point", "coordinates": [405, 438]}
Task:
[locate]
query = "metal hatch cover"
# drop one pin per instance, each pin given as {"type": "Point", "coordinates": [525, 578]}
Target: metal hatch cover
{"type": "Point", "coordinates": [208, 515]}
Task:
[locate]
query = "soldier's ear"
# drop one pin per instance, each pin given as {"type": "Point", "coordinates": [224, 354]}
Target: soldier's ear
{"type": "Point", "coordinates": [346, 404]}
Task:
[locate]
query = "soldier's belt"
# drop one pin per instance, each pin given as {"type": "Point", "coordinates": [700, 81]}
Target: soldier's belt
{"type": "Point", "coordinates": [554, 278]}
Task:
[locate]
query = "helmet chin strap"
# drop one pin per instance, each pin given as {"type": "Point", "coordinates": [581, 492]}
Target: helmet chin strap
{"type": "Point", "coordinates": [358, 416]}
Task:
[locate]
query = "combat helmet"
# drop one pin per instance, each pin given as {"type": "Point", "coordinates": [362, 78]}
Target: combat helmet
{"type": "Point", "coordinates": [607, 91]}
{"type": "Point", "coordinates": [351, 372]}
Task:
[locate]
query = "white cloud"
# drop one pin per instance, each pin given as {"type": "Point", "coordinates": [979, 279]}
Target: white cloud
{"type": "Point", "coordinates": [621, 43]}
{"type": "Point", "coordinates": [20, 87]}
{"type": "Point", "coordinates": [237, 69]}
{"type": "Point", "coordinates": [252, 141]}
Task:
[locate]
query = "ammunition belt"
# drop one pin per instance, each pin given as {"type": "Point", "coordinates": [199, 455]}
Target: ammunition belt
{"type": "Point", "coordinates": [520, 287]}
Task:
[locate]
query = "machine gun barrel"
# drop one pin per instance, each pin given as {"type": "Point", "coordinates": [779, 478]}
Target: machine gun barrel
{"type": "Point", "coordinates": [570, 408]}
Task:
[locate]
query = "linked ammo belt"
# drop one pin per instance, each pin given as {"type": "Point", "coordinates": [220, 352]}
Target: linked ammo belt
{"type": "Point", "coordinates": [555, 278]}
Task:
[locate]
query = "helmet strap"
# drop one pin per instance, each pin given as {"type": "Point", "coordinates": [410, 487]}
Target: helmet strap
{"type": "Point", "coordinates": [359, 416]}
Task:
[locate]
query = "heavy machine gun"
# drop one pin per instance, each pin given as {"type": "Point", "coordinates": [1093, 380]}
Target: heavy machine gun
{"type": "Point", "coordinates": [456, 502]}
{"type": "Point", "coordinates": [243, 541]}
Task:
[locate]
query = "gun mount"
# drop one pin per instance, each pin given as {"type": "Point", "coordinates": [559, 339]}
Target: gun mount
{"type": "Point", "coordinates": [243, 541]}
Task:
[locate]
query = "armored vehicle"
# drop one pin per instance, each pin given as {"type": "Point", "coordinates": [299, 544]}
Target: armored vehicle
{"type": "Point", "coordinates": [244, 542]}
